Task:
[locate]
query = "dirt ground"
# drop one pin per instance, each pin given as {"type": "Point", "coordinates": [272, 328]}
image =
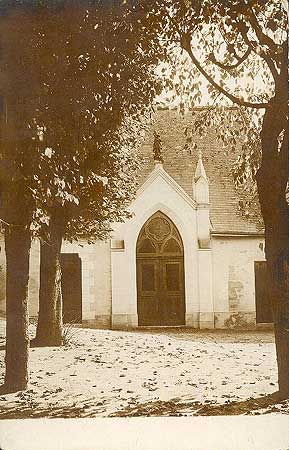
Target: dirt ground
{"type": "Point", "coordinates": [159, 372]}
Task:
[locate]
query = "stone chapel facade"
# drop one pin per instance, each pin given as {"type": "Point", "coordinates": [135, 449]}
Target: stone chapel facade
{"type": "Point", "coordinates": [187, 257]}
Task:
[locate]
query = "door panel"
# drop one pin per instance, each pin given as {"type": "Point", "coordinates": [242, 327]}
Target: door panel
{"type": "Point", "coordinates": [148, 277]}
{"type": "Point", "coordinates": [173, 302]}
{"type": "Point", "coordinates": [71, 287]}
{"type": "Point", "coordinates": [172, 274]}
{"type": "Point", "coordinates": [148, 291]}
{"type": "Point", "coordinates": [161, 292]}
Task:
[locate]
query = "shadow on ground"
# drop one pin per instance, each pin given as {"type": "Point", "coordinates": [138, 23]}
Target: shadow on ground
{"type": "Point", "coordinates": [26, 408]}
{"type": "Point", "coordinates": [183, 407]}
{"type": "Point", "coordinates": [177, 407]}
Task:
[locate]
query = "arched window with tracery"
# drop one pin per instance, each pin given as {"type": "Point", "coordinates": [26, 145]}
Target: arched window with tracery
{"type": "Point", "coordinates": [159, 237]}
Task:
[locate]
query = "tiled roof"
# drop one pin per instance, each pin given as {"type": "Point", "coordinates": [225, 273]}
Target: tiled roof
{"type": "Point", "coordinates": [181, 164]}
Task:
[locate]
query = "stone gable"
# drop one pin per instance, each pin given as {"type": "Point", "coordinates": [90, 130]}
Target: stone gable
{"type": "Point", "coordinates": [181, 164]}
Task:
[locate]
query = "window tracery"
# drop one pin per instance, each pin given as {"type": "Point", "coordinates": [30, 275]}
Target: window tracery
{"type": "Point", "coordinates": [159, 237]}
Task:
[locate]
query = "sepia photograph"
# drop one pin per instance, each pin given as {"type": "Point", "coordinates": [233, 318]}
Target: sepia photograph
{"type": "Point", "coordinates": [144, 225]}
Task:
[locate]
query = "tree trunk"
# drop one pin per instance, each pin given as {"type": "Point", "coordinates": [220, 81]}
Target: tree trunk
{"type": "Point", "coordinates": [17, 249]}
{"type": "Point", "coordinates": [272, 181]}
{"type": "Point", "coordinates": [278, 271]}
{"type": "Point", "coordinates": [49, 326]}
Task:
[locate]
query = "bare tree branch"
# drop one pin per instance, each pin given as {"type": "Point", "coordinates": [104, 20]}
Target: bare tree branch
{"type": "Point", "coordinates": [9, 224]}
{"type": "Point", "coordinates": [263, 38]}
{"type": "Point", "coordinates": [240, 60]}
{"type": "Point", "coordinates": [262, 54]}
{"type": "Point", "coordinates": [186, 45]}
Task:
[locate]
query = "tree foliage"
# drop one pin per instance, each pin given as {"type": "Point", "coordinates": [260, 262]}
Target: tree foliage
{"type": "Point", "coordinates": [225, 53]}
{"type": "Point", "coordinates": [77, 104]}
{"type": "Point", "coordinates": [241, 49]}
{"type": "Point", "coordinates": [77, 81]}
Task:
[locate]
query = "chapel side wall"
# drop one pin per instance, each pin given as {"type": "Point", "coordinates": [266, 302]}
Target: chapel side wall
{"type": "Point", "coordinates": [96, 282]}
{"type": "Point", "coordinates": [234, 280]}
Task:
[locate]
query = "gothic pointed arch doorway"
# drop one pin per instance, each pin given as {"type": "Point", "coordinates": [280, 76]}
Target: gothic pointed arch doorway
{"type": "Point", "coordinates": [160, 273]}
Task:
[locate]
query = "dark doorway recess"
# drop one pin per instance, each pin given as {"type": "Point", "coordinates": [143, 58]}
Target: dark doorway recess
{"type": "Point", "coordinates": [160, 273]}
{"type": "Point", "coordinates": [262, 294]}
{"type": "Point", "coordinates": [71, 287]}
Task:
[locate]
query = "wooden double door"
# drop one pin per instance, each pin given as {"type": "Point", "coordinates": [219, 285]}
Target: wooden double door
{"type": "Point", "coordinates": [160, 274]}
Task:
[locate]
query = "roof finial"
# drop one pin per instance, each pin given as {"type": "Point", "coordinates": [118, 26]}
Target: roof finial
{"type": "Point", "coordinates": [200, 170]}
{"type": "Point", "coordinates": [157, 148]}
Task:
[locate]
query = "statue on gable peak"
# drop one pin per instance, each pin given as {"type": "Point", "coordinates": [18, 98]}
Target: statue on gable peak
{"type": "Point", "coordinates": [157, 148]}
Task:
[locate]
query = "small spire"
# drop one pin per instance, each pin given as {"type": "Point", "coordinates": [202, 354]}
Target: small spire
{"type": "Point", "coordinates": [157, 148]}
{"type": "Point", "coordinates": [200, 170]}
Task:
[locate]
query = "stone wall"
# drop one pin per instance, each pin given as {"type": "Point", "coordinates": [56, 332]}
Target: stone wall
{"type": "Point", "coordinates": [96, 284]}
{"type": "Point", "coordinates": [234, 280]}
{"type": "Point", "coordinates": [96, 281]}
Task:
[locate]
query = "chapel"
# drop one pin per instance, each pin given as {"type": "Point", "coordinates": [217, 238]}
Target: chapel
{"type": "Point", "coordinates": [187, 256]}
